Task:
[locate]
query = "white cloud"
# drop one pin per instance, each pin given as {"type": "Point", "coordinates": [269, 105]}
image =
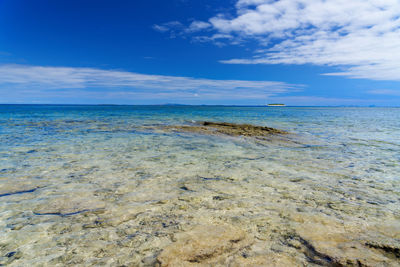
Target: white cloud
{"type": "Point", "coordinates": [360, 36]}
{"type": "Point", "coordinates": [333, 101]}
{"type": "Point", "coordinates": [160, 28]}
{"type": "Point", "coordinates": [215, 38]}
{"type": "Point", "coordinates": [384, 92]}
{"type": "Point", "coordinates": [25, 81]}
{"type": "Point", "coordinates": [172, 27]}
{"type": "Point", "coordinates": [318, 101]}
{"type": "Point", "coordinates": [176, 28]}
{"type": "Point", "coordinates": [198, 26]}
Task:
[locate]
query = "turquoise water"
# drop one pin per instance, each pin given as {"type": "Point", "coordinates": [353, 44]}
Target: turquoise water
{"type": "Point", "coordinates": [106, 185]}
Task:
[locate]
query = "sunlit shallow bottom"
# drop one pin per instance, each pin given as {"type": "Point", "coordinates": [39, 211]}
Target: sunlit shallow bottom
{"type": "Point", "coordinates": [98, 192]}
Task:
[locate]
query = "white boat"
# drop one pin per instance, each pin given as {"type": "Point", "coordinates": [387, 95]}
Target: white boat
{"type": "Point", "coordinates": [276, 105]}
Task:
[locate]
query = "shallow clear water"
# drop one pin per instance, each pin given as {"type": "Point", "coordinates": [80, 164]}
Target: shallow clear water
{"type": "Point", "coordinates": [90, 185]}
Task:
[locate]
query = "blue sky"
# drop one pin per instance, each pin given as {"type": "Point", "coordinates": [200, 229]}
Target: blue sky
{"type": "Point", "coordinates": [242, 52]}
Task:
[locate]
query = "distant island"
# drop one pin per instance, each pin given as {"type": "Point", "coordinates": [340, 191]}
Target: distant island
{"type": "Point", "coordinates": [276, 105]}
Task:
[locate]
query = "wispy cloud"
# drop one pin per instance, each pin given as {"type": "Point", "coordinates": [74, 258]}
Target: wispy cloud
{"type": "Point", "coordinates": [362, 37]}
{"type": "Point", "coordinates": [160, 28]}
{"type": "Point", "coordinates": [196, 26]}
{"type": "Point", "coordinates": [173, 28]}
{"type": "Point", "coordinates": [34, 81]}
{"type": "Point", "coordinates": [319, 101]}
{"type": "Point", "coordinates": [176, 28]}
{"type": "Point", "coordinates": [386, 92]}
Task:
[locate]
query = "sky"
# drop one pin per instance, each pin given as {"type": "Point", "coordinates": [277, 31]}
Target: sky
{"type": "Point", "coordinates": [229, 52]}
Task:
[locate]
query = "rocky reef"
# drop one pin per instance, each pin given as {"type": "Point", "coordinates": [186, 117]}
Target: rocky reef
{"type": "Point", "coordinates": [225, 128]}
{"type": "Point", "coordinates": [204, 245]}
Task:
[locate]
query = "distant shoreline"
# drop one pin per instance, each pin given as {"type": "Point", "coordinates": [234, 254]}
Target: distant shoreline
{"type": "Point", "coordinates": [188, 105]}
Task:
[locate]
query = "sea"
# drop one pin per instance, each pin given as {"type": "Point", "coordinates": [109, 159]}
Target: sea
{"type": "Point", "coordinates": [91, 185]}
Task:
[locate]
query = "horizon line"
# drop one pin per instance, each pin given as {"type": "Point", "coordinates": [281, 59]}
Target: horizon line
{"type": "Point", "coordinates": [193, 105]}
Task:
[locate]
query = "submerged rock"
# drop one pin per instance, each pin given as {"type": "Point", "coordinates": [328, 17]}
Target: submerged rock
{"type": "Point", "coordinates": [9, 257]}
{"type": "Point", "coordinates": [65, 206]}
{"type": "Point", "coordinates": [391, 248]}
{"type": "Point", "coordinates": [241, 129]}
{"type": "Point", "coordinates": [204, 245]}
{"type": "Point", "coordinates": [327, 241]}
{"type": "Point", "coordinates": [225, 128]}
{"type": "Point", "coordinates": [17, 192]}
{"type": "Point", "coordinates": [275, 259]}
{"type": "Point", "coordinates": [16, 188]}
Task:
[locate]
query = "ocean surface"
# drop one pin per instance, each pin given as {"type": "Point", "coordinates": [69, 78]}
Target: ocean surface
{"type": "Point", "coordinates": [107, 185]}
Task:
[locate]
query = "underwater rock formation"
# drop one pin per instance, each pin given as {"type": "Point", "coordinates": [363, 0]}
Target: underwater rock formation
{"type": "Point", "coordinates": [18, 187]}
{"type": "Point", "coordinates": [204, 245]}
{"type": "Point", "coordinates": [66, 206]}
{"type": "Point", "coordinates": [225, 128]}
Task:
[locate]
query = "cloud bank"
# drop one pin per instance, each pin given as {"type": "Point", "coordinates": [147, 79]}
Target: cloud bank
{"type": "Point", "coordinates": [362, 37]}
{"type": "Point", "coordinates": [27, 82]}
